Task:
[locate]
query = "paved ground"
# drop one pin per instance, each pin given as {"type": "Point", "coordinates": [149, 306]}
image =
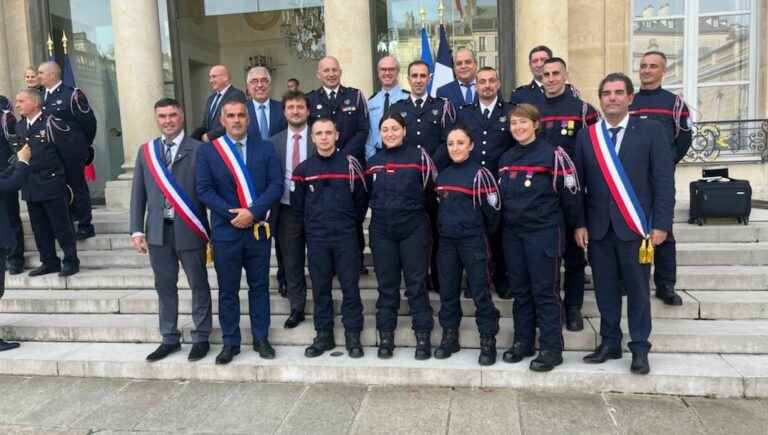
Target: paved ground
{"type": "Point", "coordinates": [84, 406]}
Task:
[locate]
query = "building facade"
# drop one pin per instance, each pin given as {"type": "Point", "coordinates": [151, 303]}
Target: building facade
{"type": "Point", "coordinates": [128, 53]}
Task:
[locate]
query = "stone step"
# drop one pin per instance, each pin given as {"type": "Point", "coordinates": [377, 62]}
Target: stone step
{"type": "Point", "coordinates": [688, 278]}
{"type": "Point", "coordinates": [146, 302]}
{"type": "Point", "coordinates": [708, 375]}
{"type": "Point", "coordinates": [737, 305]}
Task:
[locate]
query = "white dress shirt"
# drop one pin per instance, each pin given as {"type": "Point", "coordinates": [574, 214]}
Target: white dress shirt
{"type": "Point", "coordinates": [32, 120]}
{"type": "Point", "coordinates": [286, 199]}
{"type": "Point", "coordinates": [620, 134]}
{"type": "Point", "coordinates": [490, 108]}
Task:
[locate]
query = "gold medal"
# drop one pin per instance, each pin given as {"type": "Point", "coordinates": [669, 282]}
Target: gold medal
{"type": "Point", "coordinates": [527, 183]}
{"type": "Point", "coordinates": [563, 132]}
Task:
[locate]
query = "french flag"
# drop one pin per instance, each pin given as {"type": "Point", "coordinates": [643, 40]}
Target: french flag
{"type": "Point", "coordinates": [443, 72]}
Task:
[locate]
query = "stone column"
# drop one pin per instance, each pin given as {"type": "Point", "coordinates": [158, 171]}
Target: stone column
{"type": "Point", "coordinates": [5, 64]}
{"type": "Point", "coordinates": [348, 38]}
{"type": "Point", "coordinates": [540, 22]}
{"type": "Point", "coordinates": [138, 65]}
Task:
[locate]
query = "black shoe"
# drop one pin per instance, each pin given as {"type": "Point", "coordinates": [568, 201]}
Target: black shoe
{"type": "Point", "coordinates": [487, 350]}
{"type": "Point", "coordinates": [293, 320]}
{"type": "Point", "coordinates": [546, 361]}
{"type": "Point", "coordinates": [8, 345]}
{"type": "Point", "coordinates": [602, 354]}
{"type": "Point", "coordinates": [85, 233]}
{"type": "Point", "coordinates": [573, 319]}
{"type": "Point", "coordinates": [227, 353]}
{"type": "Point", "coordinates": [517, 353]}
{"type": "Point", "coordinates": [323, 341]}
{"type": "Point", "coordinates": [69, 269]}
{"type": "Point", "coordinates": [669, 297]}
{"type": "Point", "coordinates": [363, 270]}
{"type": "Point", "coordinates": [640, 365]}
{"type": "Point", "coordinates": [352, 343]}
{"type": "Point", "coordinates": [503, 292]}
{"type": "Point", "coordinates": [15, 269]}
{"type": "Point", "coordinates": [449, 344]}
{"type": "Point", "coordinates": [44, 270]}
{"type": "Point", "coordinates": [199, 351]}
{"type": "Point", "coordinates": [163, 351]}
{"type": "Point", "coordinates": [264, 349]}
{"type": "Point", "coordinates": [423, 345]}
{"type": "Point", "coordinates": [282, 289]}
{"type": "Point", "coordinates": [386, 345]}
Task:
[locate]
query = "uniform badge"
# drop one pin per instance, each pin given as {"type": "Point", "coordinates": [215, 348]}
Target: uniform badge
{"type": "Point", "coordinates": [492, 199]}
{"type": "Point", "coordinates": [527, 183]}
{"type": "Point", "coordinates": [403, 114]}
{"type": "Point", "coordinates": [292, 186]}
{"type": "Point", "coordinates": [42, 134]}
{"type": "Point", "coordinates": [435, 112]}
{"type": "Point", "coordinates": [347, 102]}
{"type": "Point", "coordinates": [503, 119]}
{"type": "Point", "coordinates": [569, 181]}
{"type": "Point", "coordinates": [319, 106]}
{"type": "Point", "coordinates": [59, 101]}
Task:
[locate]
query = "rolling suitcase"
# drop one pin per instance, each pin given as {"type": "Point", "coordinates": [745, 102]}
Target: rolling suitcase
{"type": "Point", "coordinates": [720, 197]}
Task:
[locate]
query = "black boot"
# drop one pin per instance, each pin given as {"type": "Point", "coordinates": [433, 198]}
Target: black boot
{"type": "Point", "coordinates": [386, 344]}
{"type": "Point", "coordinates": [487, 350]}
{"type": "Point", "coordinates": [449, 344]}
{"type": "Point", "coordinates": [323, 341]}
{"type": "Point", "coordinates": [668, 296]}
{"type": "Point", "coordinates": [546, 361]}
{"type": "Point", "coordinates": [574, 321]}
{"type": "Point", "coordinates": [353, 345]}
{"type": "Point", "coordinates": [517, 353]}
{"type": "Point", "coordinates": [423, 345]}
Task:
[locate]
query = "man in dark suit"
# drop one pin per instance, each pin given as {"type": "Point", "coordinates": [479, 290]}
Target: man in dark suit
{"type": "Point", "coordinates": [11, 180]}
{"type": "Point", "coordinates": [10, 198]}
{"type": "Point", "coordinates": [293, 146]}
{"type": "Point", "coordinates": [71, 105]}
{"type": "Point", "coordinates": [614, 243]}
{"type": "Point", "coordinates": [223, 91]}
{"type": "Point", "coordinates": [161, 230]}
{"type": "Point", "coordinates": [236, 205]}
{"type": "Point", "coordinates": [46, 191]}
{"type": "Point", "coordinates": [533, 92]}
{"type": "Point", "coordinates": [461, 91]}
{"type": "Point", "coordinates": [266, 114]}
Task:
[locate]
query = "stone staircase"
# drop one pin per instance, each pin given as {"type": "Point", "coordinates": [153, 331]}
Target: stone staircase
{"type": "Point", "coordinates": [103, 321]}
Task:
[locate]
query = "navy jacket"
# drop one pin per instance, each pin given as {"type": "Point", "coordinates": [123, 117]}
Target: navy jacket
{"type": "Point", "coordinates": [7, 129]}
{"type": "Point", "coordinates": [71, 105]}
{"type": "Point", "coordinates": [11, 180]}
{"type": "Point", "coordinates": [647, 160]}
{"type": "Point", "coordinates": [490, 135]}
{"type": "Point", "coordinates": [427, 127]}
{"type": "Point", "coordinates": [217, 190]}
{"type": "Point", "coordinates": [530, 93]}
{"type": "Point", "coordinates": [397, 181]}
{"type": "Point", "coordinates": [212, 123]}
{"type": "Point", "coordinates": [277, 121]}
{"type": "Point", "coordinates": [46, 179]}
{"type": "Point", "coordinates": [321, 191]}
{"type": "Point", "coordinates": [350, 113]}
{"type": "Point", "coordinates": [452, 92]}
{"type": "Point", "coordinates": [459, 214]}
{"type": "Point", "coordinates": [562, 118]}
{"type": "Point", "coordinates": [659, 104]}
{"type": "Point", "coordinates": [529, 199]}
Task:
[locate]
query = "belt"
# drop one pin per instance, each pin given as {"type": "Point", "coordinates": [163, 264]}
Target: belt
{"type": "Point", "coordinates": [169, 221]}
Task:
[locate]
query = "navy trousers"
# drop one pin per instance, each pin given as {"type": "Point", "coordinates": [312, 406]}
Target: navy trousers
{"type": "Point", "coordinates": [399, 253]}
{"type": "Point", "coordinates": [665, 264]}
{"type": "Point", "coordinates": [81, 202]}
{"type": "Point", "coordinates": [614, 262]}
{"type": "Point", "coordinates": [340, 256]}
{"type": "Point", "coordinates": [471, 254]}
{"type": "Point", "coordinates": [230, 258]}
{"type": "Point", "coordinates": [575, 262]}
{"type": "Point", "coordinates": [533, 269]}
{"type": "Point", "coordinates": [15, 255]}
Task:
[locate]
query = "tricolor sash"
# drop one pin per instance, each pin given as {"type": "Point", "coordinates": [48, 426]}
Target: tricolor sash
{"type": "Point", "coordinates": [620, 187]}
{"type": "Point", "coordinates": [175, 196]}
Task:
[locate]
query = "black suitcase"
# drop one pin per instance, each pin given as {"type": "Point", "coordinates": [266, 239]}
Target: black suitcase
{"type": "Point", "coordinates": [720, 198]}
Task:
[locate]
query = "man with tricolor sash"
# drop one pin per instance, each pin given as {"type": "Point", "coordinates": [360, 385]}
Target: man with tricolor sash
{"type": "Point", "coordinates": [239, 179]}
{"type": "Point", "coordinates": [626, 168]}
{"type": "Point", "coordinates": [168, 221]}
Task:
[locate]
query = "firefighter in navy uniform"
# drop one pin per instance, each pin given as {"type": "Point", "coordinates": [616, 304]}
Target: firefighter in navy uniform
{"type": "Point", "coordinates": [487, 123]}
{"type": "Point", "coordinates": [398, 178]}
{"type": "Point", "coordinates": [563, 115]}
{"type": "Point", "coordinates": [15, 258]}
{"type": "Point", "coordinates": [654, 102]}
{"type": "Point", "coordinates": [533, 92]}
{"type": "Point", "coordinates": [329, 190]}
{"type": "Point", "coordinates": [538, 185]}
{"type": "Point", "coordinates": [347, 108]}
{"type": "Point", "coordinates": [71, 105]}
{"type": "Point", "coordinates": [427, 121]}
{"type": "Point", "coordinates": [46, 191]}
{"type": "Point", "coordinates": [468, 213]}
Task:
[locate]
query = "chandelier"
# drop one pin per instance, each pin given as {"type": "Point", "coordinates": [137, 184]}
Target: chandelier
{"type": "Point", "coordinates": [304, 32]}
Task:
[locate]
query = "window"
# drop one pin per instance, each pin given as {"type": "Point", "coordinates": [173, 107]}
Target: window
{"type": "Point", "coordinates": [481, 43]}
{"type": "Point", "coordinates": [711, 46]}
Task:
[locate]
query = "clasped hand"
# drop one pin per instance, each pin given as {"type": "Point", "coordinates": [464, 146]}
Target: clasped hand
{"type": "Point", "coordinates": [244, 218]}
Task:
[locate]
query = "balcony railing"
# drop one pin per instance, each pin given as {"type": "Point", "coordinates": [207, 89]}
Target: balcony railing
{"type": "Point", "coordinates": [729, 141]}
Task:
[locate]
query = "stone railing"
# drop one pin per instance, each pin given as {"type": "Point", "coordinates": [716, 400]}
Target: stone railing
{"type": "Point", "coordinates": [729, 141]}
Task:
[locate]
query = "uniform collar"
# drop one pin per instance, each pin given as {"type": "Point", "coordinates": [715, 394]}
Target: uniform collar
{"type": "Point", "coordinates": [224, 91]}
{"type": "Point", "coordinates": [490, 107]}
{"type": "Point", "coordinates": [329, 90]}
{"type": "Point", "coordinates": [622, 124]}
{"type": "Point", "coordinates": [393, 91]}
{"type": "Point", "coordinates": [53, 88]}
{"type": "Point", "coordinates": [34, 119]}
{"type": "Point", "coordinates": [423, 99]}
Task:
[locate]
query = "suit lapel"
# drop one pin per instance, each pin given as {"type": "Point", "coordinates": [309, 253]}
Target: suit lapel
{"type": "Point", "coordinates": [185, 149]}
{"type": "Point", "coordinates": [626, 140]}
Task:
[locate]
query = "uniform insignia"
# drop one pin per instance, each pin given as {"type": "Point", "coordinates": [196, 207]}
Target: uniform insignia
{"type": "Point", "coordinates": [59, 101]}
{"type": "Point", "coordinates": [492, 199]}
{"type": "Point", "coordinates": [319, 106]}
{"type": "Point", "coordinates": [292, 187]}
{"type": "Point", "coordinates": [527, 183]}
{"type": "Point", "coordinates": [435, 112]}
{"type": "Point", "coordinates": [42, 134]}
{"type": "Point", "coordinates": [503, 119]}
{"type": "Point", "coordinates": [347, 102]}
{"type": "Point", "coordinates": [403, 114]}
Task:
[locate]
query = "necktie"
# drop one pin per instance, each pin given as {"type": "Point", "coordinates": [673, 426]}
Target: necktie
{"type": "Point", "coordinates": [296, 155]}
{"type": "Point", "coordinates": [214, 105]}
{"type": "Point", "coordinates": [263, 126]}
{"type": "Point", "coordinates": [168, 155]}
{"type": "Point", "coordinates": [332, 96]}
{"type": "Point", "coordinates": [614, 134]}
{"type": "Point", "coordinates": [240, 149]}
{"type": "Point", "coordinates": [418, 103]}
{"type": "Point", "coordinates": [386, 102]}
{"type": "Point", "coordinates": [48, 93]}
{"type": "Point", "coordinates": [469, 98]}
{"type": "Point", "coordinates": [486, 113]}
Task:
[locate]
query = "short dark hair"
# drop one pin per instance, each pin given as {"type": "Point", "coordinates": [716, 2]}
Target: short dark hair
{"type": "Point", "coordinates": [556, 60]}
{"type": "Point", "coordinates": [324, 119]}
{"type": "Point", "coordinates": [616, 77]}
{"type": "Point", "coordinates": [232, 103]}
{"type": "Point", "coordinates": [488, 68]}
{"type": "Point", "coordinates": [394, 116]}
{"type": "Point", "coordinates": [416, 62]}
{"type": "Point", "coordinates": [168, 102]}
{"type": "Point", "coordinates": [538, 48]}
{"type": "Point", "coordinates": [657, 53]}
{"type": "Point", "coordinates": [293, 79]}
{"type": "Point", "coordinates": [5, 104]}
{"type": "Point", "coordinates": [295, 95]}
{"type": "Point", "coordinates": [460, 126]}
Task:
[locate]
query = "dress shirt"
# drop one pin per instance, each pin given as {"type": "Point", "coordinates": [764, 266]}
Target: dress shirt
{"type": "Point", "coordinates": [243, 141]}
{"type": "Point", "coordinates": [256, 106]}
{"type": "Point", "coordinates": [51, 90]}
{"type": "Point", "coordinates": [489, 107]}
{"type": "Point", "coordinates": [329, 90]}
{"type": "Point", "coordinates": [32, 120]}
{"type": "Point", "coordinates": [620, 134]}
{"type": "Point", "coordinates": [464, 88]}
{"type": "Point", "coordinates": [376, 112]}
{"type": "Point", "coordinates": [286, 199]}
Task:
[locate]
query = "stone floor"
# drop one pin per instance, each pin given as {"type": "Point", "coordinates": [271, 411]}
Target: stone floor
{"type": "Point", "coordinates": [85, 406]}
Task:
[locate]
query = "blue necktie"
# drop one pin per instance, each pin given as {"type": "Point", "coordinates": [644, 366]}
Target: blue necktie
{"type": "Point", "coordinates": [240, 149]}
{"type": "Point", "coordinates": [214, 106]}
{"type": "Point", "coordinates": [614, 135]}
{"type": "Point", "coordinates": [263, 126]}
{"type": "Point", "coordinates": [470, 97]}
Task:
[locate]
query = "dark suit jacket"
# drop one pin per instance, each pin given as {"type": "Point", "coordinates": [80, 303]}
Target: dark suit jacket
{"type": "Point", "coordinates": [46, 179]}
{"type": "Point", "coordinates": [217, 190]}
{"type": "Point", "coordinates": [147, 198]}
{"type": "Point", "coordinates": [212, 124]}
{"type": "Point", "coordinates": [11, 180]}
{"type": "Point", "coordinates": [280, 142]}
{"type": "Point", "coordinates": [277, 121]}
{"type": "Point", "coordinates": [7, 128]}
{"type": "Point", "coordinates": [646, 156]}
{"type": "Point", "coordinates": [452, 91]}
{"type": "Point", "coordinates": [350, 113]}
